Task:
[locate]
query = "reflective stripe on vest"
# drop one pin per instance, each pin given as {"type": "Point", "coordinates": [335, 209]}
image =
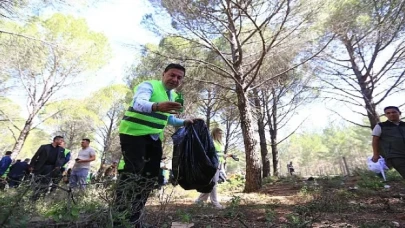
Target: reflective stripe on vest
{"type": "Point", "coordinates": [66, 151]}
{"type": "Point", "coordinates": [219, 148]}
{"type": "Point", "coordinates": [138, 123]}
{"type": "Point", "coordinates": [121, 164]}
{"type": "Point", "coordinates": [7, 171]}
{"type": "Point", "coordinates": [143, 122]}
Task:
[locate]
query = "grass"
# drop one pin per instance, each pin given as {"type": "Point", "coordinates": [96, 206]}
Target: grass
{"type": "Point", "coordinates": [283, 202]}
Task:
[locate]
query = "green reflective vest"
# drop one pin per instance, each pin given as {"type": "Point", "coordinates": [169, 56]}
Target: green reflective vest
{"type": "Point", "coordinates": [139, 123]}
{"type": "Point", "coordinates": [7, 171]}
{"type": "Point", "coordinates": [121, 164]}
{"type": "Point", "coordinates": [66, 152]}
{"type": "Point", "coordinates": [219, 148]}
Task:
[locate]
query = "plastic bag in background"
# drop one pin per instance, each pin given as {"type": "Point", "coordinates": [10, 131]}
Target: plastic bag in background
{"type": "Point", "coordinates": [194, 160]}
{"type": "Point", "coordinates": [222, 176]}
{"type": "Point", "coordinates": [377, 167]}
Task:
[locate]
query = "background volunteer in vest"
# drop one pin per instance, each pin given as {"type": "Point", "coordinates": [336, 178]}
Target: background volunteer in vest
{"type": "Point", "coordinates": [141, 130]}
{"type": "Point", "coordinates": [216, 135]}
{"type": "Point", "coordinates": [390, 137]}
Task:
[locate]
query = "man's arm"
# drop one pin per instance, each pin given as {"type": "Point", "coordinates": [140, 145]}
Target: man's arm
{"type": "Point", "coordinates": [175, 121]}
{"type": "Point", "coordinates": [141, 98]}
{"type": "Point", "coordinates": [36, 156]}
{"type": "Point", "coordinates": [376, 145]}
{"type": "Point", "coordinates": [12, 166]}
{"type": "Point", "coordinates": [60, 160]}
{"type": "Point", "coordinates": [92, 158]}
{"type": "Point", "coordinates": [67, 158]}
{"type": "Point", "coordinates": [376, 142]}
{"type": "Point", "coordinates": [141, 101]}
{"type": "Point", "coordinates": [2, 166]}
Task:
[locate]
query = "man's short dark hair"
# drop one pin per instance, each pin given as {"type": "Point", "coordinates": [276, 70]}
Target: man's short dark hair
{"type": "Point", "coordinates": [175, 66]}
{"type": "Point", "coordinates": [8, 152]}
{"type": "Point", "coordinates": [392, 107]}
{"type": "Point", "coordinates": [57, 137]}
{"type": "Point", "coordinates": [86, 139]}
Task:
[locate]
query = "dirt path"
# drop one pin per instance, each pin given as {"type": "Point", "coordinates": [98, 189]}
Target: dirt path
{"type": "Point", "coordinates": [293, 204]}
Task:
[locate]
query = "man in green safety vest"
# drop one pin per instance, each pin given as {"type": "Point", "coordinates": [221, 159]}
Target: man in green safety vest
{"type": "Point", "coordinates": [141, 131]}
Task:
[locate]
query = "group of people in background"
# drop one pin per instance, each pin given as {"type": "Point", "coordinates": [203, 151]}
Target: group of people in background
{"type": "Point", "coordinates": [48, 167]}
{"type": "Point", "coordinates": [12, 173]}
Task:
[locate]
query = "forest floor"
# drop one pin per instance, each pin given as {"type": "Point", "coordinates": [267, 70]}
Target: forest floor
{"type": "Point", "coordinates": [359, 200]}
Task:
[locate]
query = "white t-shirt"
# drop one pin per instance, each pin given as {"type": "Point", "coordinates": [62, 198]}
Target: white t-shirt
{"type": "Point", "coordinates": [84, 154]}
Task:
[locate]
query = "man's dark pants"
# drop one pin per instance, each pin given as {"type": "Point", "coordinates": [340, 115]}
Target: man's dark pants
{"type": "Point", "coordinates": [14, 181]}
{"type": "Point", "coordinates": [142, 156]}
{"type": "Point", "coordinates": [56, 180]}
{"type": "Point", "coordinates": [398, 164]}
{"type": "Point", "coordinates": [42, 180]}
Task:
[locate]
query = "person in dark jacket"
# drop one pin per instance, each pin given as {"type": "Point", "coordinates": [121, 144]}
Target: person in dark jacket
{"type": "Point", "coordinates": [17, 173]}
{"type": "Point", "coordinates": [4, 168]}
{"type": "Point", "coordinates": [5, 163]}
{"type": "Point", "coordinates": [46, 164]}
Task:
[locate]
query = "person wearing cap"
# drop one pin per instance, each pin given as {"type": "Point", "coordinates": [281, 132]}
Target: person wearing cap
{"type": "Point", "coordinates": [390, 137]}
{"type": "Point", "coordinates": [141, 133]}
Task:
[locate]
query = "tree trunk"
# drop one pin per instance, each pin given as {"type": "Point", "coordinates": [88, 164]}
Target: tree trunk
{"type": "Point", "coordinates": [253, 167]}
{"type": "Point", "coordinates": [21, 138]}
{"type": "Point", "coordinates": [71, 136]}
{"type": "Point", "coordinates": [107, 140]}
{"type": "Point", "coordinates": [274, 152]}
{"type": "Point", "coordinates": [273, 125]}
{"type": "Point", "coordinates": [274, 134]}
{"type": "Point", "coordinates": [370, 106]}
{"type": "Point", "coordinates": [208, 118]}
{"type": "Point", "coordinates": [365, 87]}
{"type": "Point", "coordinates": [372, 113]}
{"type": "Point", "coordinates": [262, 135]}
{"type": "Point", "coordinates": [227, 139]}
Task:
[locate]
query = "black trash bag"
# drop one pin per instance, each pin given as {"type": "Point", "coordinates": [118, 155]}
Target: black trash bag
{"type": "Point", "coordinates": [195, 161]}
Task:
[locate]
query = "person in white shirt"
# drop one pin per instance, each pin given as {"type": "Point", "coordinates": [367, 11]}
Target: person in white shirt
{"type": "Point", "coordinates": [82, 166]}
{"type": "Point", "coordinates": [389, 140]}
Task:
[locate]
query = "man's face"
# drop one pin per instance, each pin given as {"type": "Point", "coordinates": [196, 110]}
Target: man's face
{"type": "Point", "coordinates": [392, 114]}
{"type": "Point", "coordinates": [85, 143]}
{"type": "Point", "coordinates": [172, 78]}
{"type": "Point", "coordinates": [59, 142]}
